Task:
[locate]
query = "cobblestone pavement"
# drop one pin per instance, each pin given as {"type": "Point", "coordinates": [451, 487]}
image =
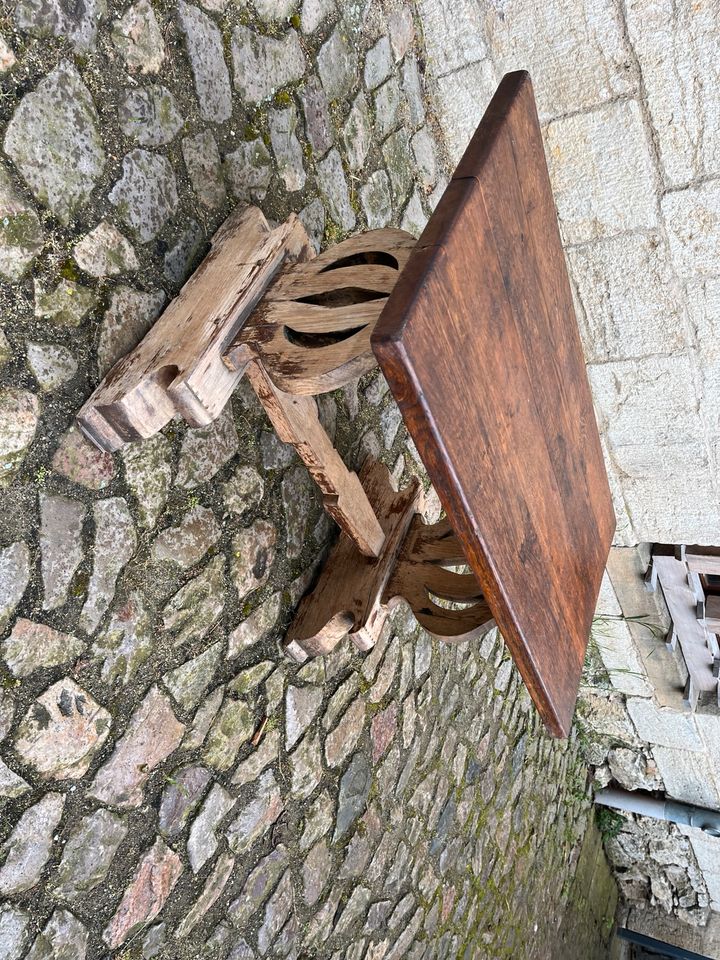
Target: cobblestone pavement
{"type": "Point", "coordinates": [170, 786]}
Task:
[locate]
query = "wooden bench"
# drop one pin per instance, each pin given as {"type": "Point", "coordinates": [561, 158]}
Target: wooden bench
{"type": "Point", "coordinates": [474, 329]}
{"type": "Point", "coordinates": [684, 573]}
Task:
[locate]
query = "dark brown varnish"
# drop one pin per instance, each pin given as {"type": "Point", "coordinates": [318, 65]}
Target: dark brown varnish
{"type": "Point", "coordinates": [480, 346]}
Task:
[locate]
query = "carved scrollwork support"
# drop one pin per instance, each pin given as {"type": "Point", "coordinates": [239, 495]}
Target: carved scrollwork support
{"type": "Point", "coordinates": [446, 603]}
{"type": "Point", "coordinates": [312, 330]}
{"type": "Point", "coordinates": [354, 594]}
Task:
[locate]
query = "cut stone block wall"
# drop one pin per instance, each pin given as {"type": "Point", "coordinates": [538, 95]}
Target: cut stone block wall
{"type": "Point", "coordinates": [626, 94]}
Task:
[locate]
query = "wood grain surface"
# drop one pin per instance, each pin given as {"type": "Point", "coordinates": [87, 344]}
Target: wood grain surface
{"type": "Point", "coordinates": [311, 330]}
{"type": "Point", "coordinates": [480, 346]}
{"type": "Point", "coordinates": [296, 421]}
{"type": "Point", "coordinates": [177, 369]}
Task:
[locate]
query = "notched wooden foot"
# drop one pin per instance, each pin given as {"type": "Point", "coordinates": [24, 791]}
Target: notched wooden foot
{"type": "Point", "coordinates": [177, 370]}
{"type": "Point", "coordinates": [347, 598]}
{"type": "Point", "coordinates": [354, 594]}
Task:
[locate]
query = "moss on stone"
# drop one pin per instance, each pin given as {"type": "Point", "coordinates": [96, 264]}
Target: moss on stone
{"type": "Point", "coordinates": [282, 98]}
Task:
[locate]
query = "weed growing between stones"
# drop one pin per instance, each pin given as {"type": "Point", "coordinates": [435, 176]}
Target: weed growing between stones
{"type": "Point", "coordinates": [609, 822]}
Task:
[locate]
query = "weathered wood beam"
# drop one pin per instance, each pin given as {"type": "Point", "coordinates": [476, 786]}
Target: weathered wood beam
{"type": "Point", "coordinates": [296, 421]}
{"type": "Point", "coordinates": [177, 369]}
{"type": "Point", "coordinates": [261, 303]}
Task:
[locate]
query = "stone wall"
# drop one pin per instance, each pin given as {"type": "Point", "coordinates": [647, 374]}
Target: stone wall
{"type": "Point", "coordinates": [626, 93]}
{"type": "Point", "coordinates": [638, 735]}
{"type": "Point", "coordinates": [656, 923]}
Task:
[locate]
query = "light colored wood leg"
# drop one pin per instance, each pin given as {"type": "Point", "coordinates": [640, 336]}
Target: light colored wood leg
{"type": "Point", "coordinates": [299, 325]}
{"type": "Point", "coordinates": [296, 421]}
{"type": "Point", "coordinates": [177, 369]}
{"type": "Point", "coordinates": [311, 334]}
{"type": "Point", "coordinates": [348, 596]}
{"type": "Point", "coordinates": [421, 576]}
{"type": "Point", "coordinates": [354, 594]}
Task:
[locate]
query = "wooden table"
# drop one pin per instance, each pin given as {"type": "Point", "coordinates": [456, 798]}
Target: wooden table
{"type": "Point", "coordinates": [480, 346]}
{"type": "Point", "coordinates": [474, 328]}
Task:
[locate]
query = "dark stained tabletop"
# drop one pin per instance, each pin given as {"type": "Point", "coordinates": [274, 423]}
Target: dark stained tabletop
{"type": "Point", "coordinates": [480, 346]}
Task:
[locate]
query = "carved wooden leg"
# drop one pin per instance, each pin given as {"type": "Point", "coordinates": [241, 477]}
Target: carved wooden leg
{"type": "Point", "coordinates": [311, 334]}
{"type": "Point", "coordinates": [421, 576]}
{"type": "Point", "coordinates": [354, 594]}
{"type": "Point", "coordinates": [261, 304]}
{"type": "Point", "coordinates": [312, 330]}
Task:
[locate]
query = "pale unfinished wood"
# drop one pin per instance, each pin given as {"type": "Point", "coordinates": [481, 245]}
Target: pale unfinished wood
{"type": "Point", "coordinates": [177, 369]}
{"type": "Point", "coordinates": [311, 334]}
{"type": "Point", "coordinates": [296, 421]}
{"type": "Point", "coordinates": [701, 690]}
{"type": "Point", "coordinates": [312, 330]}
{"type": "Point", "coordinates": [354, 594]}
{"type": "Point", "coordinates": [347, 599]}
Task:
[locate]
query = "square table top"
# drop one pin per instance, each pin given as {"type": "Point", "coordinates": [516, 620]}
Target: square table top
{"type": "Point", "coordinates": [480, 346]}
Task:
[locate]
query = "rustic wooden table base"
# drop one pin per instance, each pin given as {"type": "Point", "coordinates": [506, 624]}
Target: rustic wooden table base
{"type": "Point", "coordinates": [262, 305]}
{"type": "Point", "coordinates": [297, 326]}
{"type": "Point", "coordinates": [474, 329]}
{"type": "Point", "coordinates": [355, 593]}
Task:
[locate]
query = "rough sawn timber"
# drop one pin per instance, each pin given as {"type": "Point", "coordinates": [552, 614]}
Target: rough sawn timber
{"type": "Point", "coordinates": [261, 304]}
{"type": "Point", "coordinates": [296, 421]}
